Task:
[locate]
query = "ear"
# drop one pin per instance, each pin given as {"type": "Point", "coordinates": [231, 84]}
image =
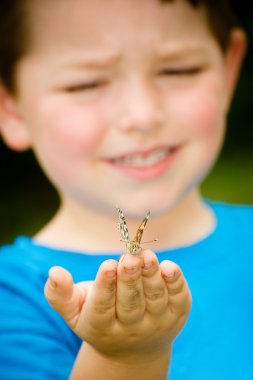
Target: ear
{"type": "Point", "coordinates": [12, 130]}
{"type": "Point", "coordinates": [233, 60]}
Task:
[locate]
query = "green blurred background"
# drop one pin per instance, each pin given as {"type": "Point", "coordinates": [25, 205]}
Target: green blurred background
{"type": "Point", "coordinates": [27, 199]}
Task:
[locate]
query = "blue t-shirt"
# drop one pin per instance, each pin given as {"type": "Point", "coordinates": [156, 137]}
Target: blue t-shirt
{"type": "Point", "coordinates": [215, 344]}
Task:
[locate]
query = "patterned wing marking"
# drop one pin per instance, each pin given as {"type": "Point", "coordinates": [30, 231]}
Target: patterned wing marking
{"type": "Point", "coordinates": [140, 230]}
{"type": "Point", "coordinates": [123, 228]}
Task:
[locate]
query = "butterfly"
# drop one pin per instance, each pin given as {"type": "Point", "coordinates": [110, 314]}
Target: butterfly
{"type": "Point", "coordinates": [132, 246]}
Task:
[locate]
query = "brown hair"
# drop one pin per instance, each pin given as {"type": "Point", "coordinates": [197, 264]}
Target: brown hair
{"type": "Point", "coordinates": [14, 33]}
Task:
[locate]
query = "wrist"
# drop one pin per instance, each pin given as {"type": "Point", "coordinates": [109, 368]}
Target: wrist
{"type": "Point", "coordinates": [136, 358]}
{"type": "Point", "coordinates": [146, 365]}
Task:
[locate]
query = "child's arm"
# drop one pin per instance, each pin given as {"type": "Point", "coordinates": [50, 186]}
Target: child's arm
{"type": "Point", "coordinates": [92, 365]}
{"type": "Point", "coordinates": [128, 322]}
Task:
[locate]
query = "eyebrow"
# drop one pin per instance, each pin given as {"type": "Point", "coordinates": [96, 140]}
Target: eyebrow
{"type": "Point", "coordinates": [175, 52]}
{"type": "Point", "coordinates": [95, 61]}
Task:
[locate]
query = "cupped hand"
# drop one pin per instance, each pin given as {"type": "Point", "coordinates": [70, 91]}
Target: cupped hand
{"type": "Point", "coordinates": [134, 307]}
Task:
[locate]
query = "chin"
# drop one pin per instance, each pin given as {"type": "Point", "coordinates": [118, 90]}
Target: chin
{"type": "Point", "coordinates": [136, 208]}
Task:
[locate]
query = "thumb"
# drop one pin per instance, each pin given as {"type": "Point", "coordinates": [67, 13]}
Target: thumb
{"type": "Point", "coordinates": [64, 296]}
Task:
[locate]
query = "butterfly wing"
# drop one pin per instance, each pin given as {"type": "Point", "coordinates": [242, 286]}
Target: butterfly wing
{"type": "Point", "coordinates": [123, 228]}
{"type": "Point", "coordinates": [140, 230]}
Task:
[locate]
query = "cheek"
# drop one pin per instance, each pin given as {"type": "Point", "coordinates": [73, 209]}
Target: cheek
{"type": "Point", "coordinates": [73, 131]}
{"type": "Point", "coordinates": [202, 125]}
{"type": "Point", "coordinates": [202, 113]}
{"type": "Point", "coordinates": [69, 131]}
{"type": "Point", "coordinates": [206, 121]}
{"type": "Point", "coordinates": [66, 141]}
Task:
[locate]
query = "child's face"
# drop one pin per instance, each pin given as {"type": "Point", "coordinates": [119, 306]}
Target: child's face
{"type": "Point", "coordinates": [124, 101]}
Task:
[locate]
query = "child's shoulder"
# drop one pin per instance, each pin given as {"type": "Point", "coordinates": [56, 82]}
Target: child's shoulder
{"type": "Point", "coordinates": [23, 257]}
{"type": "Point", "coordinates": [232, 210]}
{"type": "Point", "coordinates": [236, 220]}
{"type": "Point", "coordinates": [18, 258]}
{"type": "Point", "coordinates": [16, 249]}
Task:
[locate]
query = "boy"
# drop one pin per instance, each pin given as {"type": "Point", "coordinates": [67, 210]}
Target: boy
{"type": "Point", "coordinates": [124, 103]}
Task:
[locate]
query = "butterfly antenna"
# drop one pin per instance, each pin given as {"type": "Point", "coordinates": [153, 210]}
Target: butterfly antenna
{"type": "Point", "coordinates": [151, 241]}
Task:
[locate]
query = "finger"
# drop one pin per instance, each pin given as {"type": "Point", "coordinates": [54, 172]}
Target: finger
{"type": "Point", "coordinates": [178, 292]}
{"type": "Point", "coordinates": [101, 301]}
{"type": "Point", "coordinates": [63, 295]}
{"type": "Point", "coordinates": [130, 305]}
{"type": "Point", "coordinates": [154, 285]}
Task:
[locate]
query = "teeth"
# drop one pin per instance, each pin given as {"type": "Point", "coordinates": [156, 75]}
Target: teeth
{"type": "Point", "coordinates": [140, 160]}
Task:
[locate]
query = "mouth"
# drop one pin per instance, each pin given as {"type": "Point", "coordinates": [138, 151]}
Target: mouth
{"type": "Point", "coordinates": [145, 165]}
{"type": "Point", "coordinates": [143, 159]}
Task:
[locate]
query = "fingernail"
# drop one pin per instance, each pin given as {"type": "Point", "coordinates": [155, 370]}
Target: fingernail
{"type": "Point", "coordinates": [53, 283]}
{"type": "Point", "coordinates": [131, 270]}
{"type": "Point", "coordinates": [148, 265]}
{"type": "Point", "coordinates": [169, 275]}
{"type": "Point", "coordinates": [110, 273]}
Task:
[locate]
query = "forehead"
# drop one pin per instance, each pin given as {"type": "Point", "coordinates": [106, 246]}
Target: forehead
{"type": "Point", "coordinates": [92, 23]}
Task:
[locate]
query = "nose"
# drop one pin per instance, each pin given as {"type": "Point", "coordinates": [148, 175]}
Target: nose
{"type": "Point", "coordinates": [140, 108]}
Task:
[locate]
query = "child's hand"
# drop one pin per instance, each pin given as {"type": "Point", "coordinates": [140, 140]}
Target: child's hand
{"type": "Point", "coordinates": [134, 307]}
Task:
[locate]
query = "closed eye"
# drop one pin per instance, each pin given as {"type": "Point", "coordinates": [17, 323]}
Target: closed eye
{"type": "Point", "coordinates": [86, 86]}
{"type": "Point", "coordinates": [184, 71]}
